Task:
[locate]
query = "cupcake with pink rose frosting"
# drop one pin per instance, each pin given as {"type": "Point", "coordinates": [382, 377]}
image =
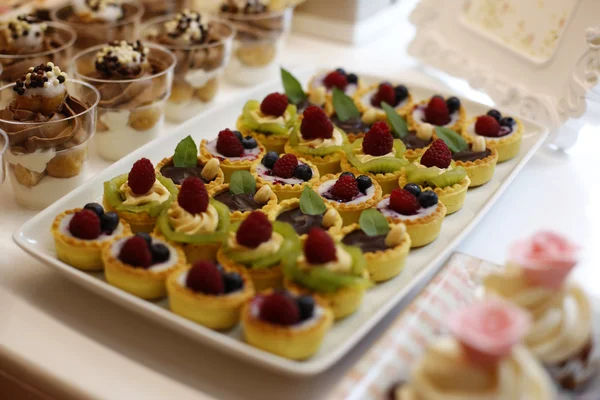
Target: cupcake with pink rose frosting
{"type": "Point", "coordinates": [536, 279]}
{"type": "Point", "coordinates": [482, 358]}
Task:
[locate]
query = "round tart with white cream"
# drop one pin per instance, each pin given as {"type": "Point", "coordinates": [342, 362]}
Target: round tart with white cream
{"type": "Point", "coordinates": [370, 99]}
{"type": "Point", "coordinates": [195, 221]}
{"type": "Point", "coordinates": [79, 235]}
{"type": "Point", "coordinates": [139, 196]}
{"type": "Point", "coordinates": [419, 210]}
{"type": "Point", "coordinates": [140, 264]}
{"type": "Point", "coordinates": [321, 87]}
{"type": "Point", "coordinates": [209, 294]}
{"type": "Point", "coordinates": [448, 113]}
{"type": "Point", "coordinates": [503, 133]}
{"type": "Point", "coordinates": [259, 247]}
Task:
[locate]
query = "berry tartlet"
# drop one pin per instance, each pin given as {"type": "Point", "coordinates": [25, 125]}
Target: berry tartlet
{"type": "Point", "coordinates": [377, 155]}
{"type": "Point", "coordinates": [419, 210]}
{"type": "Point", "coordinates": [140, 264]}
{"type": "Point", "coordinates": [384, 244]}
{"type": "Point", "coordinates": [79, 235]}
{"type": "Point", "coordinates": [436, 170]}
{"type": "Point", "coordinates": [242, 195]}
{"type": "Point", "coordinates": [289, 325]}
{"type": "Point", "coordinates": [536, 279]}
{"type": "Point", "coordinates": [140, 196]}
{"type": "Point", "coordinates": [269, 122]}
{"type": "Point", "coordinates": [350, 195]}
{"type": "Point", "coordinates": [186, 163]}
{"type": "Point", "coordinates": [317, 140]}
{"type": "Point", "coordinates": [234, 151]}
{"type": "Point", "coordinates": [287, 174]}
{"type": "Point", "coordinates": [483, 357]}
{"type": "Point", "coordinates": [448, 113]}
{"type": "Point", "coordinates": [209, 294]}
{"type": "Point", "coordinates": [307, 212]}
{"type": "Point", "coordinates": [320, 87]}
{"type": "Point", "coordinates": [505, 134]}
{"type": "Point", "coordinates": [259, 247]}
{"type": "Point", "coordinates": [333, 271]}
{"type": "Point", "coordinates": [474, 156]}
{"type": "Point", "coordinates": [195, 222]}
{"type": "Point", "coordinates": [370, 99]}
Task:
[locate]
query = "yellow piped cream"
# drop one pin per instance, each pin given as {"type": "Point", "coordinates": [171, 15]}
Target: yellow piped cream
{"type": "Point", "coordinates": [264, 249]}
{"type": "Point", "coordinates": [260, 118]}
{"type": "Point", "coordinates": [183, 221]}
{"type": "Point", "coordinates": [367, 157]}
{"type": "Point", "coordinates": [343, 263]}
{"type": "Point", "coordinates": [158, 193]}
{"type": "Point", "coordinates": [336, 140]}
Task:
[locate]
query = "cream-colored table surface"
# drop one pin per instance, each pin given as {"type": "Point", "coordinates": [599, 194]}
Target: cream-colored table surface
{"type": "Point", "coordinates": [82, 342]}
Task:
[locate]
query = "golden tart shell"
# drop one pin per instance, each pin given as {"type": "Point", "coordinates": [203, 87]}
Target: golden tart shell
{"type": "Point", "coordinates": [508, 146]}
{"type": "Point", "coordinates": [452, 196]}
{"type": "Point", "coordinates": [226, 165]}
{"type": "Point", "coordinates": [413, 124]}
{"type": "Point", "coordinates": [381, 115]}
{"type": "Point", "coordinates": [480, 171]}
{"type": "Point", "coordinates": [329, 164]}
{"type": "Point", "coordinates": [287, 191]}
{"type": "Point", "coordinates": [138, 222]}
{"type": "Point", "coordinates": [387, 181]}
{"type": "Point", "coordinates": [262, 278]}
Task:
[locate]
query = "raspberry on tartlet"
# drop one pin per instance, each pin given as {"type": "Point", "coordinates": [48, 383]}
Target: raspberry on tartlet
{"type": "Point", "coordinates": [438, 111]}
{"type": "Point", "coordinates": [287, 174]}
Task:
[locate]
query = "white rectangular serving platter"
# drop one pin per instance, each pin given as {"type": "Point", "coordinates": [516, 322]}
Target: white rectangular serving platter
{"type": "Point", "coordinates": [34, 237]}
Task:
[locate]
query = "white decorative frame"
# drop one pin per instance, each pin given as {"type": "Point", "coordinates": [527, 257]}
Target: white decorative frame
{"type": "Point", "coordinates": [549, 90]}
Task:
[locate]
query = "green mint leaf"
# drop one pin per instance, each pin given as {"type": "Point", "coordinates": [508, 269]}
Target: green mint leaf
{"type": "Point", "coordinates": [186, 153]}
{"type": "Point", "coordinates": [453, 140]}
{"type": "Point", "coordinates": [399, 127]}
{"type": "Point", "coordinates": [311, 203]}
{"type": "Point", "coordinates": [293, 88]}
{"type": "Point", "coordinates": [242, 182]}
{"type": "Point", "coordinates": [373, 223]}
{"type": "Point", "coordinates": [344, 106]}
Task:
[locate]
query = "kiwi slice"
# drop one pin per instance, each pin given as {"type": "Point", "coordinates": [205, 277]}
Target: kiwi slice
{"type": "Point", "coordinates": [421, 176]}
{"type": "Point", "coordinates": [318, 152]}
{"type": "Point", "coordinates": [219, 235]}
{"type": "Point", "coordinates": [449, 178]}
{"type": "Point", "coordinates": [379, 165]}
{"type": "Point", "coordinates": [115, 200]}
{"type": "Point", "coordinates": [250, 123]}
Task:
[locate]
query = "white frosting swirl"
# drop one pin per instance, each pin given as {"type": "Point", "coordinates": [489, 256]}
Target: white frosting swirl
{"type": "Point", "coordinates": [183, 221]}
{"type": "Point", "coordinates": [445, 373]}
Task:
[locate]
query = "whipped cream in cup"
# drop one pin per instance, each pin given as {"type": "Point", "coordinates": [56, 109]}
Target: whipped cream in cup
{"type": "Point", "coordinates": [203, 48]}
{"type": "Point", "coordinates": [131, 111]}
{"type": "Point", "coordinates": [101, 26]}
{"type": "Point", "coordinates": [46, 160]}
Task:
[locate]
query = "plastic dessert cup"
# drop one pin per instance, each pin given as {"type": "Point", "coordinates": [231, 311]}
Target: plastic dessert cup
{"type": "Point", "coordinates": [94, 33]}
{"type": "Point", "coordinates": [131, 112]}
{"type": "Point", "coordinates": [258, 43]}
{"type": "Point", "coordinates": [199, 67]}
{"type": "Point", "coordinates": [157, 8]}
{"type": "Point", "coordinates": [13, 66]}
{"type": "Point", "coordinates": [53, 162]}
{"type": "Point", "coordinates": [3, 147]}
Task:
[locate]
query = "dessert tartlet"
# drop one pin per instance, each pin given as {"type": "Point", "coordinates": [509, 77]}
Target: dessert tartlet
{"type": "Point", "coordinates": [369, 100]}
{"type": "Point", "coordinates": [209, 294]}
{"type": "Point", "coordinates": [202, 47]}
{"type": "Point", "coordinates": [185, 163]}
{"type": "Point", "coordinates": [505, 134]}
{"type": "Point", "coordinates": [27, 40]}
{"type": "Point", "coordinates": [436, 170]}
{"type": "Point", "coordinates": [420, 211]}
{"type": "Point", "coordinates": [195, 222]}
{"type": "Point", "coordinates": [348, 194]}
{"type": "Point", "coordinates": [261, 29]}
{"type": "Point", "coordinates": [100, 21]}
{"type": "Point", "coordinates": [321, 87]}
{"type": "Point", "coordinates": [79, 235]}
{"type": "Point", "coordinates": [307, 212]}
{"type": "Point", "coordinates": [332, 271]}
{"type": "Point", "coordinates": [287, 175]}
{"type": "Point", "coordinates": [259, 247]}
{"type": "Point", "coordinates": [448, 113]}
{"type": "Point", "coordinates": [270, 122]}
{"type": "Point", "coordinates": [536, 279]}
{"type": "Point", "coordinates": [140, 264]}
{"type": "Point", "coordinates": [139, 196]}
{"type": "Point", "coordinates": [134, 81]}
{"type": "Point", "coordinates": [384, 244]}
{"type": "Point", "coordinates": [243, 196]}
{"type": "Point", "coordinates": [234, 152]}
{"type": "Point", "coordinates": [317, 140]}
{"type": "Point", "coordinates": [482, 358]}
{"type": "Point", "coordinates": [49, 120]}
{"type": "Point", "coordinates": [289, 325]}
{"type": "Point", "coordinates": [377, 155]}
{"type": "Point", "coordinates": [475, 157]}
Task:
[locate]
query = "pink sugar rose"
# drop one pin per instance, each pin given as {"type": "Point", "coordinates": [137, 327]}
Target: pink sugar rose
{"type": "Point", "coordinates": [546, 259]}
{"type": "Point", "coordinates": [488, 330]}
